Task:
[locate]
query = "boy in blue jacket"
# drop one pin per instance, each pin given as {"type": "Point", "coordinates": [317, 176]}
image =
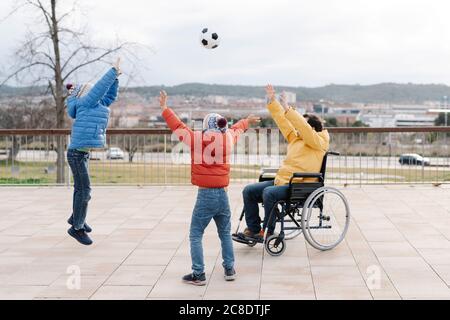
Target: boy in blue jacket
{"type": "Point", "coordinates": [89, 107]}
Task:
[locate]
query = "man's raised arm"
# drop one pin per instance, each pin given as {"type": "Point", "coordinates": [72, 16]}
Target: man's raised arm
{"type": "Point", "coordinates": [278, 115]}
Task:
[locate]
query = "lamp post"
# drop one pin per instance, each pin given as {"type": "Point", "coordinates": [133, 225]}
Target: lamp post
{"type": "Point", "coordinates": [323, 108]}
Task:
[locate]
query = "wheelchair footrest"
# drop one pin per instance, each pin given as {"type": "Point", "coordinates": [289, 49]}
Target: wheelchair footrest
{"type": "Point", "coordinates": [240, 238]}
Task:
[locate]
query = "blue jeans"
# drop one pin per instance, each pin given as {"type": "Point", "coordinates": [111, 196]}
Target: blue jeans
{"type": "Point", "coordinates": [79, 164]}
{"type": "Point", "coordinates": [211, 204]}
{"type": "Point", "coordinates": [263, 192]}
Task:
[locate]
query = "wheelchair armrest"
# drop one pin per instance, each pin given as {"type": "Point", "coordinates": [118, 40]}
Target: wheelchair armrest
{"type": "Point", "coordinates": [268, 174]}
{"type": "Point", "coordinates": [332, 153]}
{"type": "Point", "coordinates": [306, 175]}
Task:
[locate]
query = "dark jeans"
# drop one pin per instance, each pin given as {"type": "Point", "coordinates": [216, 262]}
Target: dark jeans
{"type": "Point", "coordinates": [79, 164]}
{"type": "Point", "coordinates": [268, 194]}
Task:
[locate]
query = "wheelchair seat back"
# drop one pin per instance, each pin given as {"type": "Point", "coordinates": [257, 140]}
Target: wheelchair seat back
{"type": "Point", "coordinates": [299, 192]}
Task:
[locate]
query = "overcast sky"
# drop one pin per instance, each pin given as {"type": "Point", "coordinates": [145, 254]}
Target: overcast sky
{"type": "Point", "coordinates": [298, 43]}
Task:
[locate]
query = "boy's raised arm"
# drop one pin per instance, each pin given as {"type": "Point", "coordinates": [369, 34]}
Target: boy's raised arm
{"type": "Point", "coordinates": [243, 125]}
{"type": "Point", "coordinates": [71, 107]}
{"type": "Point", "coordinates": [102, 87]}
{"type": "Point", "coordinates": [111, 95]}
{"type": "Point", "coordinates": [184, 133]}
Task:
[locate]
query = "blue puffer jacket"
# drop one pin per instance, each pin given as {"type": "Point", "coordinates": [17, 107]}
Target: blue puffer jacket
{"type": "Point", "coordinates": [91, 113]}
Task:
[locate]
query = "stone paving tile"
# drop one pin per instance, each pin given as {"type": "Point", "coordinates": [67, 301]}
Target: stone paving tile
{"type": "Point", "coordinates": [397, 247]}
{"type": "Point", "coordinates": [122, 293]}
{"type": "Point", "coordinates": [149, 257]}
{"type": "Point", "coordinates": [60, 289]}
{"type": "Point", "coordinates": [20, 292]}
{"type": "Point", "coordinates": [343, 293]}
{"type": "Point", "coordinates": [443, 272]}
{"type": "Point", "coordinates": [393, 249]}
{"type": "Point", "coordinates": [135, 276]}
{"type": "Point", "coordinates": [414, 278]}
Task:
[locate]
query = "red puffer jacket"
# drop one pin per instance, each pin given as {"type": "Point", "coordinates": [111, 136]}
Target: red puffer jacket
{"type": "Point", "coordinates": [210, 151]}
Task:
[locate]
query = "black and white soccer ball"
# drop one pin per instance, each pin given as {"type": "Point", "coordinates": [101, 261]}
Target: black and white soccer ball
{"type": "Point", "coordinates": [209, 39]}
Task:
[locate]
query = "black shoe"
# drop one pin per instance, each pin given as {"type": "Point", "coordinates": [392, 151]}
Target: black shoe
{"type": "Point", "coordinates": [86, 227]}
{"type": "Point", "coordinates": [80, 235]}
{"type": "Point", "coordinates": [195, 280]}
{"type": "Point", "coordinates": [230, 274]}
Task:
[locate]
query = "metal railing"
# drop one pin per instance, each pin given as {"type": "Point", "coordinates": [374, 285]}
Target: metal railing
{"type": "Point", "coordinates": [155, 157]}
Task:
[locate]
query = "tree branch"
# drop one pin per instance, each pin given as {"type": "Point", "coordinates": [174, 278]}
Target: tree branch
{"type": "Point", "coordinates": [22, 69]}
{"type": "Point", "coordinates": [47, 15]}
{"type": "Point", "coordinates": [99, 58]}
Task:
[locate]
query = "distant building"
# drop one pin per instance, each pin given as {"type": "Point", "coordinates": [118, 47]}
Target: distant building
{"type": "Point", "coordinates": [320, 108]}
{"type": "Point", "coordinates": [221, 100]}
{"type": "Point", "coordinates": [291, 97]}
{"type": "Point", "coordinates": [412, 120]}
{"type": "Point", "coordinates": [129, 121]}
{"type": "Point", "coordinates": [343, 115]}
{"type": "Point", "coordinates": [377, 120]}
{"type": "Point", "coordinates": [397, 116]}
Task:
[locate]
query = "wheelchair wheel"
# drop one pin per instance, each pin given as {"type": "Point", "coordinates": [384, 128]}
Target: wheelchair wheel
{"type": "Point", "coordinates": [325, 218]}
{"type": "Point", "coordinates": [274, 246]}
{"type": "Point", "coordinates": [252, 244]}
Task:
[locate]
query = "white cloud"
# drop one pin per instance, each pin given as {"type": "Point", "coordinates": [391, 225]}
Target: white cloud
{"type": "Point", "coordinates": [286, 42]}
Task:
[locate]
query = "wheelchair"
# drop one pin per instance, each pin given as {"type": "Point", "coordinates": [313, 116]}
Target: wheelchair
{"type": "Point", "coordinates": [320, 212]}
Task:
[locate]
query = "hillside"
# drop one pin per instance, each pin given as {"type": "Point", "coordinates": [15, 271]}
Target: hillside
{"type": "Point", "coordinates": [385, 92]}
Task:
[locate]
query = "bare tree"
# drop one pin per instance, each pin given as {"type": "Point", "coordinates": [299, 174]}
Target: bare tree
{"type": "Point", "coordinates": [55, 53]}
{"type": "Point", "coordinates": [131, 144]}
{"type": "Point", "coordinates": [18, 115]}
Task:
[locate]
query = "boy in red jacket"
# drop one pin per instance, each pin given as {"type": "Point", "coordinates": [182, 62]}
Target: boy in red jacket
{"type": "Point", "coordinates": [210, 168]}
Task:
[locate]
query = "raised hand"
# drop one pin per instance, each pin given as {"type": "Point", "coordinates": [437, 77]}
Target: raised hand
{"type": "Point", "coordinates": [253, 120]}
{"type": "Point", "coordinates": [116, 65]}
{"type": "Point", "coordinates": [270, 91]}
{"type": "Point", "coordinates": [283, 100]}
{"type": "Point", "coordinates": [163, 100]}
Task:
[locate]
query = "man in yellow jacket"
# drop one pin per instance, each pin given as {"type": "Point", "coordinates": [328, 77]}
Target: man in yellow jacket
{"type": "Point", "coordinates": [307, 144]}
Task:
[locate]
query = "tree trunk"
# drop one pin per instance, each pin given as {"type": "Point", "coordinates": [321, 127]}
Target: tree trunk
{"type": "Point", "coordinates": [59, 99]}
{"type": "Point", "coordinates": [131, 156]}
{"type": "Point", "coordinates": [60, 144]}
{"type": "Point", "coordinates": [14, 149]}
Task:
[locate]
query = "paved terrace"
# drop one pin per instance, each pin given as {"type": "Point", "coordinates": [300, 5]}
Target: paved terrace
{"type": "Point", "coordinates": [141, 248]}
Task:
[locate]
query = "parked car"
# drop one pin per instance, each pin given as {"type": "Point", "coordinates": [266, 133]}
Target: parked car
{"type": "Point", "coordinates": [115, 154]}
{"type": "Point", "coordinates": [414, 160]}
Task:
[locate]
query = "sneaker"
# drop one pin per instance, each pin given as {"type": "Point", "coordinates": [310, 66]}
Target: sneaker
{"type": "Point", "coordinates": [86, 227]}
{"type": "Point", "coordinates": [230, 274]}
{"type": "Point", "coordinates": [195, 280]}
{"type": "Point", "coordinates": [81, 236]}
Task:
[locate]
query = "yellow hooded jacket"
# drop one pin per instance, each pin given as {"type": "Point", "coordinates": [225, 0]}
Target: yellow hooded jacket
{"type": "Point", "coordinates": [306, 147]}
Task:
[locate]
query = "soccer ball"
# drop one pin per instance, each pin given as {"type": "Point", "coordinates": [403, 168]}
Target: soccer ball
{"type": "Point", "coordinates": [209, 39]}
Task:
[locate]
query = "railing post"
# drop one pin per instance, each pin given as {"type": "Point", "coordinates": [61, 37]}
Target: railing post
{"type": "Point", "coordinates": [12, 154]}
{"type": "Point", "coordinates": [423, 155]}
{"type": "Point", "coordinates": [67, 165]}
{"type": "Point", "coordinates": [165, 163]}
{"type": "Point", "coordinates": [360, 161]}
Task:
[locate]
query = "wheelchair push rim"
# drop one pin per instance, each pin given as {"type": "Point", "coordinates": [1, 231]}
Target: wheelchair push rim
{"type": "Point", "coordinates": [325, 228]}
